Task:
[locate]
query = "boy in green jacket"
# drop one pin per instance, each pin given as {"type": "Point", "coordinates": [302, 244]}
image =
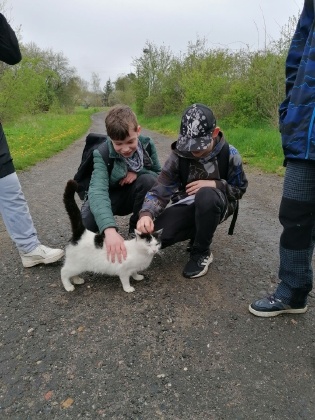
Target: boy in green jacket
{"type": "Point", "coordinates": [134, 171]}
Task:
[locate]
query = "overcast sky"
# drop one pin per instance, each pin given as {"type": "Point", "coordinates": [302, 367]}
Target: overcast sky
{"type": "Point", "coordinates": [103, 36]}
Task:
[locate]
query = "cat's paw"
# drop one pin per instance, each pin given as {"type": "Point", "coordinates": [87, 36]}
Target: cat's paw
{"type": "Point", "coordinates": [69, 288]}
{"type": "Point", "coordinates": [137, 277]}
{"type": "Point", "coordinates": [77, 280]}
{"type": "Point", "coordinates": [129, 289]}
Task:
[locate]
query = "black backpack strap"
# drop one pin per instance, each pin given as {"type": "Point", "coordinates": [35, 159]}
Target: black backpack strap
{"type": "Point", "coordinates": [234, 217]}
{"type": "Point", "coordinates": [183, 170]}
{"type": "Point", "coordinates": [223, 160]}
{"type": "Point", "coordinates": [104, 151]}
{"type": "Point", "coordinates": [223, 163]}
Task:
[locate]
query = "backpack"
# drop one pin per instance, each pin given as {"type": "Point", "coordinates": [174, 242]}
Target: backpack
{"type": "Point", "coordinates": [223, 164]}
{"type": "Point", "coordinates": [83, 176]}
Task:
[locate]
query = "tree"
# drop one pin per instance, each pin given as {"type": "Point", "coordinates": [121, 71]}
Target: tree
{"type": "Point", "coordinates": [96, 89]}
{"type": "Point", "coordinates": [151, 70]}
{"type": "Point", "coordinates": [107, 90]}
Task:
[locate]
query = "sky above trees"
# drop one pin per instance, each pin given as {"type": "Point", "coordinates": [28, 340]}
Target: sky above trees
{"type": "Point", "coordinates": [105, 37]}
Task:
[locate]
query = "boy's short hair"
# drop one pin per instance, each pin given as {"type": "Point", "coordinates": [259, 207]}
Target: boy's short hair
{"type": "Point", "coordinates": [119, 120]}
{"type": "Point", "coordinates": [196, 128]}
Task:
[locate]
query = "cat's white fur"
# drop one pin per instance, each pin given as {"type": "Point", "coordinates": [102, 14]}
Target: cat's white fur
{"type": "Point", "coordinates": [85, 256]}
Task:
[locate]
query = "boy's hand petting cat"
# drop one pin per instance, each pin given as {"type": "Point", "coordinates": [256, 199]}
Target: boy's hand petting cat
{"type": "Point", "coordinates": [129, 178]}
{"type": "Point", "coordinates": [115, 245]}
{"type": "Point", "coordinates": [194, 187]}
{"type": "Point", "coordinates": [145, 224]}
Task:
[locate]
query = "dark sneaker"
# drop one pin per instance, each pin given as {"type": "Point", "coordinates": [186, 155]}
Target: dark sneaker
{"type": "Point", "coordinates": [197, 266]}
{"type": "Point", "coordinates": [270, 306]}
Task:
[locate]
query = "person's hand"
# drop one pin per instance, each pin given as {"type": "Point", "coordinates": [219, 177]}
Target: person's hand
{"type": "Point", "coordinates": [115, 245]}
{"type": "Point", "coordinates": [145, 224]}
{"type": "Point", "coordinates": [194, 187]}
{"type": "Point", "coordinates": [129, 179]}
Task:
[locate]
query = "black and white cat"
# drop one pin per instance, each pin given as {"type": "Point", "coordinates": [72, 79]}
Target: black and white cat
{"type": "Point", "coordinates": [86, 251]}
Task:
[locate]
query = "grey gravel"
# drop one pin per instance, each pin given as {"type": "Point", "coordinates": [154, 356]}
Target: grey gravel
{"type": "Point", "coordinates": [176, 348]}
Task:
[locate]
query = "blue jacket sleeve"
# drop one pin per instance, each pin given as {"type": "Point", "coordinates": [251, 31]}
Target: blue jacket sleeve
{"type": "Point", "coordinates": [295, 54]}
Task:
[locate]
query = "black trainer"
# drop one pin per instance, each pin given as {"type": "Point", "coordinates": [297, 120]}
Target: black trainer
{"type": "Point", "coordinates": [198, 265]}
{"type": "Point", "coordinates": [271, 306]}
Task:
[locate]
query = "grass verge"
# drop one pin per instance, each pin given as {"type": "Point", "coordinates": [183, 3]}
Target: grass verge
{"type": "Point", "coordinates": [260, 147]}
{"type": "Point", "coordinates": [33, 139]}
{"type": "Point", "coordinates": [36, 138]}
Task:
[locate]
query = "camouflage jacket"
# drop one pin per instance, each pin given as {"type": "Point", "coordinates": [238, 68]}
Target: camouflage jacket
{"type": "Point", "coordinates": [169, 187]}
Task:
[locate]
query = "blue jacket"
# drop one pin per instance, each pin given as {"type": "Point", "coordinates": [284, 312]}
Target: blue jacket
{"type": "Point", "coordinates": [297, 112]}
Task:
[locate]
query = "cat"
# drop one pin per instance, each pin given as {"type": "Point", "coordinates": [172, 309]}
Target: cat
{"type": "Point", "coordinates": [86, 251]}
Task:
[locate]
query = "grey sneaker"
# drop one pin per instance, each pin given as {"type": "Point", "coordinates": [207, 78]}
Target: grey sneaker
{"type": "Point", "coordinates": [271, 306]}
{"type": "Point", "coordinates": [41, 255]}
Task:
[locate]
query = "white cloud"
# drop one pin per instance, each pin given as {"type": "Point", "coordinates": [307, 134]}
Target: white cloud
{"type": "Point", "coordinates": [104, 36]}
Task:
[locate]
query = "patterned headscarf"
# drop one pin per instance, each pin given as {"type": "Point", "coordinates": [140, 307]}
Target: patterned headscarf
{"type": "Point", "coordinates": [135, 162]}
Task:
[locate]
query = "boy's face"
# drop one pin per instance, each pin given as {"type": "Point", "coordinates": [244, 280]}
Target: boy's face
{"type": "Point", "coordinates": [202, 153]}
{"type": "Point", "coordinates": [127, 147]}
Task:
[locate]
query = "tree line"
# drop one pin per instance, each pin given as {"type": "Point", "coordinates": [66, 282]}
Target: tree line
{"type": "Point", "coordinates": [244, 87]}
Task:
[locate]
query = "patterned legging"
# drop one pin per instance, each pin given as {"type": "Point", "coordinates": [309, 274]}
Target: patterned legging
{"type": "Point", "coordinates": [297, 216]}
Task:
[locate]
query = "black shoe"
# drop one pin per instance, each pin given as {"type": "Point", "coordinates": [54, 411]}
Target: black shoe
{"type": "Point", "coordinates": [271, 306]}
{"type": "Point", "coordinates": [198, 265]}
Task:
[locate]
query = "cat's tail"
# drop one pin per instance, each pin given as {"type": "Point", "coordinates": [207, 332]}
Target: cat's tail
{"type": "Point", "coordinates": [73, 210]}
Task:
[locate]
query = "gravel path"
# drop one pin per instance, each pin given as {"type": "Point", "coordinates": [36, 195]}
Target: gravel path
{"type": "Point", "coordinates": [176, 348]}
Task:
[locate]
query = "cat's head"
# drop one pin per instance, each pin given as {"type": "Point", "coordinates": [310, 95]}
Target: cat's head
{"type": "Point", "coordinates": [151, 240]}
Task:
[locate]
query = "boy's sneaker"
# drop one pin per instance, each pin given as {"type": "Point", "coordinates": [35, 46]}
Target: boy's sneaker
{"type": "Point", "coordinates": [197, 266]}
{"type": "Point", "coordinates": [41, 255]}
{"type": "Point", "coordinates": [271, 306]}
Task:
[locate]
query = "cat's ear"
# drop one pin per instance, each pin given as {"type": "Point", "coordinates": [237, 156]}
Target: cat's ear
{"type": "Point", "coordinates": [158, 232]}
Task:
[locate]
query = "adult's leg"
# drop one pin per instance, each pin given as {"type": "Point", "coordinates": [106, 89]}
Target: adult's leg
{"type": "Point", "coordinates": [16, 215]}
{"type": "Point", "coordinates": [297, 216]}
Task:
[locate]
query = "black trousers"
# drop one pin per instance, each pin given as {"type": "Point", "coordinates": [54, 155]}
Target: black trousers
{"type": "Point", "coordinates": [197, 221]}
{"type": "Point", "coordinates": [124, 200]}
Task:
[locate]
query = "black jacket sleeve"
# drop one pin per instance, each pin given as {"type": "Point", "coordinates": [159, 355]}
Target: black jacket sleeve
{"type": "Point", "coordinates": [9, 47]}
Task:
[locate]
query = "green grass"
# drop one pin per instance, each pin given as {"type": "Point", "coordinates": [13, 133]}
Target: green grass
{"type": "Point", "coordinates": [33, 139]}
{"type": "Point", "coordinates": [260, 147]}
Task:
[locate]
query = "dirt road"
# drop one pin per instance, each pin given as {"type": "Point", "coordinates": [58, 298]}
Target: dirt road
{"type": "Point", "coordinates": [176, 348]}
